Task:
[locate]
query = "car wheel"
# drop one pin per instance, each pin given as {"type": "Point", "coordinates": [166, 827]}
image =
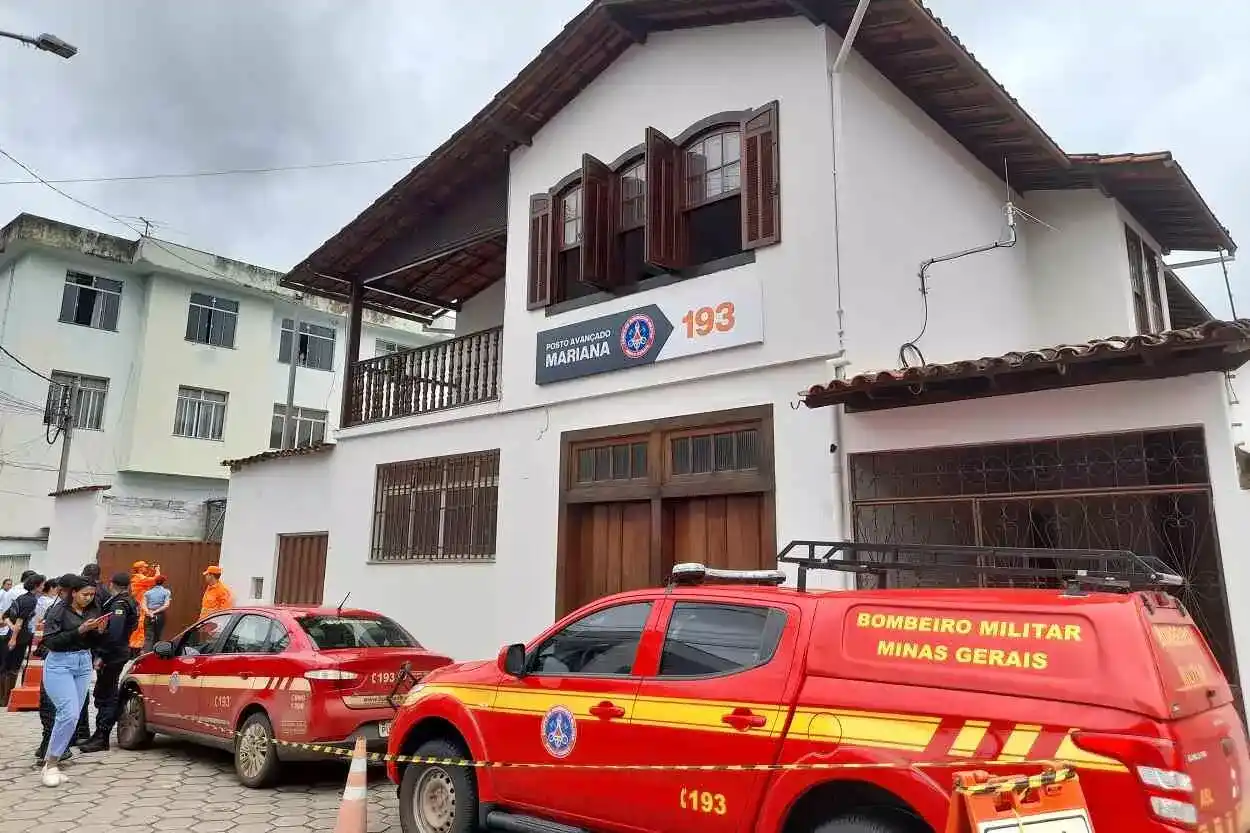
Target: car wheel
{"type": "Point", "coordinates": [884, 822]}
{"type": "Point", "coordinates": [255, 753]}
{"type": "Point", "coordinates": [132, 723]}
{"type": "Point", "coordinates": [434, 798]}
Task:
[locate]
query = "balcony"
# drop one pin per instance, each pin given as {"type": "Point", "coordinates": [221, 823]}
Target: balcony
{"type": "Point", "coordinates": [449, 374]}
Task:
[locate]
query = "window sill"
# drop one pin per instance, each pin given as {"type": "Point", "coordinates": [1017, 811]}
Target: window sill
{"type": "Point", "coordinates": [656, 282]}
{"type": "Point", "coordinates": [87, 326]}
{"type": "Point", "coordinates": [202, 439]}
{"type": "Point", "coordinates": [209, 344]}
{"type": "Point", "coordinates": [306, 367]}
{"type": "Point", "coordinates": [429, 561]}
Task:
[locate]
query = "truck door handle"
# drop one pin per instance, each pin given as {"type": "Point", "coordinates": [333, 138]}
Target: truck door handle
{"type": "Point", "coordinates": [744, 719]}
{"type": "Point", "coordinates": [607, 710]}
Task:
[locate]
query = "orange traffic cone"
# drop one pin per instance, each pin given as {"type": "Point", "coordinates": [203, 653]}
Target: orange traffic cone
{"type": "Point", "coordinates": [25, 697]}
{"type": "Point", "coordinates": [354, 811]}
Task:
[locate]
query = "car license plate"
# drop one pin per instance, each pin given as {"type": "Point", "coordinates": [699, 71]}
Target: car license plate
{"type": "Point", "coordinates": [384, 729]}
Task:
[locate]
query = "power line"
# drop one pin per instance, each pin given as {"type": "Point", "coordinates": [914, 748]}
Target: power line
{"type": "Point", "coordinates": [202, 174]}
{"type": "Point", "coordinates": [5, 350]}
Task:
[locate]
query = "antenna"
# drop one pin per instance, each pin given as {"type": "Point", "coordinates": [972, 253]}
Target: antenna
{"type": "Point", "coordinates": [1015, 209]}
{"type": "Point", "coordinates": [345, 598]}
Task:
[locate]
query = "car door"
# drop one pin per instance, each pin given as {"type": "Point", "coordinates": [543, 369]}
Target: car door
{"type": "Point", "coordinates": [714, 697]}
{"type": "Point", "coordinates": [571, 707]}
{"type": "Point", "coordinates": [240, 671]}
{"type": "Point", "coordinates": [173, 695]}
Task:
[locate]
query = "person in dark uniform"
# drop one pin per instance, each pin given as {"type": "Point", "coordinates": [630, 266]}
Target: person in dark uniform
{"type": "Point", "coordinates": [111, 657]}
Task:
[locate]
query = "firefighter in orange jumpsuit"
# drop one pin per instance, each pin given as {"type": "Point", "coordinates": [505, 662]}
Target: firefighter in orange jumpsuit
{"type": "Point", "coordinates": [217, 595]}
{"type": "Point", "coordinates": [142, 579]}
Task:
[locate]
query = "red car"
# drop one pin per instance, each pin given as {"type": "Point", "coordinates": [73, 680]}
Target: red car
{"type": "Point", "coordinates": [247, 677]}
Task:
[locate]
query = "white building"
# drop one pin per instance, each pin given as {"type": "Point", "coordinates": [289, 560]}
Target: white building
{"type": "Point", "coordinates": [634, 372]}
{"type": "Point", "coordinates": [182, 360]}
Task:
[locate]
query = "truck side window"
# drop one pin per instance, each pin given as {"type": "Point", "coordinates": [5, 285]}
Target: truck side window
{"type": "Point", "coordinates": [602, 644]}
{"type": "Point", "coordinates": [705, 639]}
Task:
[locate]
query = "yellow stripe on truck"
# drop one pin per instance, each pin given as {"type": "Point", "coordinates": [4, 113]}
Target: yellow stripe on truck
{"type": "Point", "coordinates": [969, 738]}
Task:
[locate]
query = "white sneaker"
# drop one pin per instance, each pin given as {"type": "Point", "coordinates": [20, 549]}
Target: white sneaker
{"type": "Point", "coordinates": [52, 777]}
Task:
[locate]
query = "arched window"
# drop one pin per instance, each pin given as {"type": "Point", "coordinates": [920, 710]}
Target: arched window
{"type": "Point", "coordinates": [713, 195]}
{"type": "Point", "coordinates": [570, 216]}
{"type": "Point", "coordinates": [631, 252]}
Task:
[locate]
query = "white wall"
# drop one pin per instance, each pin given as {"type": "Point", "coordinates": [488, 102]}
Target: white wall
{"type": "Point", "coordinates": [1128, 406]}
{"type": "Point", "coordinates": [159, 506]}
{"type": "Point", "coordinates": [77, 527]}
{"type": "Point", "coordinates": [514, 597]}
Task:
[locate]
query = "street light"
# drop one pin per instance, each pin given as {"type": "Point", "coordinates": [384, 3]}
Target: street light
{"type": "Point", "coordinates": [46, 42]}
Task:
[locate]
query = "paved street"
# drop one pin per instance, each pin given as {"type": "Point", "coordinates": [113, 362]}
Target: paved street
{"type": "Point", "coordinates": [173, 786]}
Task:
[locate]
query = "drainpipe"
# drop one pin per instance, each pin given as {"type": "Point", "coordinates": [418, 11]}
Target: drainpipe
{"type": "Point", "coordinates": [842, 510]}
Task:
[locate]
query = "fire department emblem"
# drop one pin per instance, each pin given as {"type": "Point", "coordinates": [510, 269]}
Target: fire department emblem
{"type": "Point", "coordinates": [637, 335]}
{"type": "Point", "coordinates": [173, 683]}
{"type": "Point", "coordinates": [559, 731]}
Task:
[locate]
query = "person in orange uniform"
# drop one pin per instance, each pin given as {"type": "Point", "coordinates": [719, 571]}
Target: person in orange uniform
{"type": "Point", "coordinates": [142, 579]}
{"type": "Point", "coordinates": [217, 595]}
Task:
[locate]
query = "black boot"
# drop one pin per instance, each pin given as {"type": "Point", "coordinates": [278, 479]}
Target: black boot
{"type": "Point", "coordinates": [97, 743]}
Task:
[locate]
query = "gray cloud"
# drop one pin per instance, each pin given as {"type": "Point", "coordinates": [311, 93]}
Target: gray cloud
{"type": "Point", "coordinates": [160, 86]}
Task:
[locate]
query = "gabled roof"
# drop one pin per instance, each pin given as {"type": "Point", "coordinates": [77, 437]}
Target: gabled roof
{"type": "Point", "coordinates": [277, 454]}
{"type": "Point", "coordinates": [903, 40]}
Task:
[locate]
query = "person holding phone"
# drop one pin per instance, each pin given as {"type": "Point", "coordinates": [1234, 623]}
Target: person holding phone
{"type": "Point", "coordinates": [71, 631]}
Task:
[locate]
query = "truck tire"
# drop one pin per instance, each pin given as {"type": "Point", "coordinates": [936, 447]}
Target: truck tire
{"type": "Point", "coordinates": [886, 822]}
{"type": "Point", "coordinates": [434, 798]}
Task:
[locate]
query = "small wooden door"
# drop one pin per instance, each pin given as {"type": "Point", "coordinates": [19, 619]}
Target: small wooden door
{"type": "Point", "coordinates": [610, 549]}
{"type": "Point", "coordinates": [181, 562]}
{"type": "Point", "coordinates": [731, 532]}
{"type": "Point", "coordinates": [301, 577]}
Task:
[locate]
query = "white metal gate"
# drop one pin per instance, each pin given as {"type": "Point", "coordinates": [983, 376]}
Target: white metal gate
{"type": "Point", "coordinates": [12, 566]}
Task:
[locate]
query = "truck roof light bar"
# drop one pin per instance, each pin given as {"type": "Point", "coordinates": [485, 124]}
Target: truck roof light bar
{"type": "Point", "coordinates": [1075, 569]}
{"type": "Point", "coordinates": [690, 574]}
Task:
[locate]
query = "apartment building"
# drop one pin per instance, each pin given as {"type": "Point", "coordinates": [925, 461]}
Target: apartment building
{"type": "Point", "coordinates": [175, 359]}
{"type": "Point", "coordinates": [682, 337]}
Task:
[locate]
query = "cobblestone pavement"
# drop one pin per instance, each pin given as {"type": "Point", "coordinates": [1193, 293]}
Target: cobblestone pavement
{"type": "Point", "coordinates": [172, 786]}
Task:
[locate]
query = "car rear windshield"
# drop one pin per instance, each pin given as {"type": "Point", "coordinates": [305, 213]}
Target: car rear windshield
{"type": "Point", "coordinates": [331, 632]}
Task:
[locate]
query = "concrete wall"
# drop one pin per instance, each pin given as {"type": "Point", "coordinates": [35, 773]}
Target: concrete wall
{"type": "Point", "coordinates": [77, 526]}
{"type": "Point", "coordinates": [160, 506]}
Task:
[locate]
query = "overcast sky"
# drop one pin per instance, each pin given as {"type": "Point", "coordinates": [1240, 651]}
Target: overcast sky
{"type": "Point", "coordinates": [161, 86]}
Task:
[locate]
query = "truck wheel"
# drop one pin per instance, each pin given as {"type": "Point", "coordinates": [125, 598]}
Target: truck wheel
{"type": "Point", "coordinates": [255, 754]}
{"type": "Point", "coordinates": [434, 798]}
{"type": "Point", "coordinates": [132, 722]}
{"type": "Point", "coordinates": [884, 823]}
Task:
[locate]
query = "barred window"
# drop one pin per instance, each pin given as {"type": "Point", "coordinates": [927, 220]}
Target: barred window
{"type": "Point", "coordinates": [90, 301]}
{"type": "Point", "coordinates": [201, 414]}
{"type": "Point", "coordinates": [439, 509]}
{"type": "Point", "coordinates": [88, 409]}
{"type": "Point", "coordinates": [307, 424]}
{"type": "Point", "coordinates": [722, 451]}
{"type": "Point", "coordinates": [316, 345]}
{"type": "Point", "coordinates": [212, 320]}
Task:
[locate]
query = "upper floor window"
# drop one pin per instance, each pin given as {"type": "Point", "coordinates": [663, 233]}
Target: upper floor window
{"type": "Point", "coordinates": [212, 320]}
{"type": "Point", "coordinates": [1143, 271]}
{"type": "Point", "coordinates": [88, 405]}
{"type": "Point", "coordinates": [90, 301]}
{"type": "Point", "coordinates": [307, 424]}
{"type": "Point", "coordinates": [382, 347]}
{"type": "Point", "coordinates": [685, 207]}
{"type": "Point", "coordinates": [316, 345]}
{"type": "Point", "coordinates": [201, 414]}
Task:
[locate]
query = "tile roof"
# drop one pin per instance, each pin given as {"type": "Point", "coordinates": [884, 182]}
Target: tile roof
{"type": "Point", "coordinates": [79, 490]}
{"type": "Point", "coordinates": [902, 39]}
{"type": "Point", "coordinates": [277, 454]}
{"type": "Point", "coordinates": [1213, 346]}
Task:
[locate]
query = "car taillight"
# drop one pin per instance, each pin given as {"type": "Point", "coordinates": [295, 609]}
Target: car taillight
{"type": "Point", "coordinates": [336, 677]}
{"type": "Point", "coordinates": [1155, 762]}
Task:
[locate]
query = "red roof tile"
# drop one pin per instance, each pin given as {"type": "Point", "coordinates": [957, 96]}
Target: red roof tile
{"type": "Point", "coordinates": [1213, 346]}
{"type": "Point", "coordinates": [276, 454]}
{"type": "Point", "coordinates": [78, 490]}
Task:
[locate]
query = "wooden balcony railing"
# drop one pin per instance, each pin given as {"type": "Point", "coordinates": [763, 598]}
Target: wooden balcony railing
{"type": "Point", "coordinates": [448, 374]}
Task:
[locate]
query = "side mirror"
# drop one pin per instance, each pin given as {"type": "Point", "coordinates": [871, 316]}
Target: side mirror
{"type": "Point", "coordinates": [512, 660]}
{"type": "Point", "coordinates": [164, 650]}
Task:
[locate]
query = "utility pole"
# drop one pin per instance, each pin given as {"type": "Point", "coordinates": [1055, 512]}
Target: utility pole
{"type": "Point", "coordinates": [288, 422]}
{"type": "Point", "coordinates": [69, 407]}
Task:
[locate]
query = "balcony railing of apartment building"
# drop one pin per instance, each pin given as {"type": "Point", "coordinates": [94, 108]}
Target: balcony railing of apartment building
{"type": "Point", "coordinates": [448, 374]}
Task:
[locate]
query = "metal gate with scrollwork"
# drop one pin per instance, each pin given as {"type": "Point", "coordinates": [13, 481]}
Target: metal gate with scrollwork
{"type": "Point", "coordinates": [1148, 492]}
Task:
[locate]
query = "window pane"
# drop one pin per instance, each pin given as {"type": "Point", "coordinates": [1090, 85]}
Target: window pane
{"type": "Point", "coordinates": [275, 432]}
{"type": "Point", "coordinates": [701, 454]}
{"type": "Point", "coordinates": [715, 639]}
{"type": "Point", "coordinates": [69, 299]}
{"type": "Point", "coordinates": [603, 463]}
{"type": "Point", "coordinates": [638, 466]}
{"type": "Point", "coordinates": [108, 285]}
{"type": "Point", "coordinates": [586, 465]}
{"type": "Point", "coordinates": [201, 299]}
{"type": "Point", "coordinates": [193, 323]}
{"type": "Point", "coordinates": [603, 643]}
{"type": "Point", "coordinates": [681, 455]}
{"type": "Point", "coordinates": [620, 462]}
{"type": "Point", "coordinates": [250, 636]}
{"type": "Point", "coordinates": [712, 152]}
{"type": "Point", "coordinates": [725, 459]}
{"type": "Point", "coordinates": [747, 443]}
{"type": "Point", "coordinates": [732, 146]}
{"type": "Point", "coordinates": [84, 312]}
{"type": "Point", "coordinates": [284, 346]}
{"type": "Point", "coordinates": [330, 633]}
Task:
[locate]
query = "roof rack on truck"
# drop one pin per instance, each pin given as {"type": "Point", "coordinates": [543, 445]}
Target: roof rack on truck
{"type": "Point", "coordinates": [1075, 569]}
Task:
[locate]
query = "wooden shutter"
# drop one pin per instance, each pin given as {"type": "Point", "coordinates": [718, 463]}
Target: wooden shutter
{"type": "Point", "coordinates": [540, 268]}
{"type": "Point", "coordinates": [600, 221]}
{"type": "Point", "coordinates": [761, 188]}
{"type": "Point", "coordinates": [665, 223]}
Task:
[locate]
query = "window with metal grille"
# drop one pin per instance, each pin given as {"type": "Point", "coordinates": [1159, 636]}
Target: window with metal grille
{"type": "Point", "coordinates": [201, 414]}
{"type": "Point", "coordinates": [88, 409]}
{"type": "Point", "coordinates": [382, 347]}
{"type": "Point", "coordinates": [307, 424]}
{"type": "Point", "coordinates": [316, 345]}
{"type": "Point", "coordinates": [212, 320]}
{"type": "Point", "coordinates": [438, 509]}
{"type": "Point", "coordinates": [618, 461]}
{"type": "Point", "coordinates": [90, 301]}
{"type": "Point", "coordinates": [721, 451]}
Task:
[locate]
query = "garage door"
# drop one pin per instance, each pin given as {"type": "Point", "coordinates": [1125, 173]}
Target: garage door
{"type": "Point", "coordinates": [726, 531]}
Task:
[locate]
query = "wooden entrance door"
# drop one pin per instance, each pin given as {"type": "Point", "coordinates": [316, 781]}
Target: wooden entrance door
{"type": "Point", "coordinates": [611, 547]}
{"type": "Point", "coordinates": [732, 532]}
{"type": "Point", "coordinates": [181, 562]}
{"type": "Point", "coordinates": [301, 577]}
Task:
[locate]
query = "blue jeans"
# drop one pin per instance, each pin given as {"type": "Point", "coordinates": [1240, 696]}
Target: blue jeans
{"type": "Point", "coordinates": [66, 678]}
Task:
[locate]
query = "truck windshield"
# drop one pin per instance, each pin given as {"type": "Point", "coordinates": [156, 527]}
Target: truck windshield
{"type": "Point", "coordinates": [329, 633]}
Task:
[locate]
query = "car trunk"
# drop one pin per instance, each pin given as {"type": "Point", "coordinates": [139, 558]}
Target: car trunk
{"type": "Point", "coordinates": [368, 676]}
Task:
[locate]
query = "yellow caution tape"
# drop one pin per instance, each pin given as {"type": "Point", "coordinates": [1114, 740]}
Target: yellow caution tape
{"type": "Point", "coordinates": [1023, 783]}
